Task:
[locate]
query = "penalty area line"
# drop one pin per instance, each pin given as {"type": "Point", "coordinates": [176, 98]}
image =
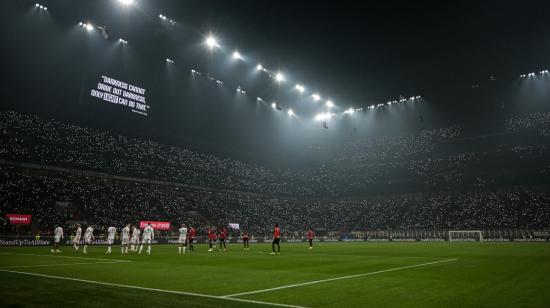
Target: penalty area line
{"type": "Point", "coordinates": [337, 278]}
{"type": "Point", "coordinates": [152, 289]}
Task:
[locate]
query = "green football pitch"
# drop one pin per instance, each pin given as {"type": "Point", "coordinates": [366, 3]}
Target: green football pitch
{"type": "Point", "coordinates": [330, 275]}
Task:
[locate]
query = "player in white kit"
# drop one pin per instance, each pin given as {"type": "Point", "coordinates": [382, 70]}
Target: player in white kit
{"type": "Point", "coordinates": [57, 236]}
{"type": "Point", "coordinates": [183, 239]}
{"type": "Point", "coordinates": [125, 239]}
{"type": "Point", "coordinates": [111, 233]}
{"type": "Point", "coordinates": [88, 238]}
{"type": "Point", "coordinates": [77, 236]}
{"type": "Point", "coordinates": [135, 239]}
{"type": "Point", "coordinates": [148, 237]}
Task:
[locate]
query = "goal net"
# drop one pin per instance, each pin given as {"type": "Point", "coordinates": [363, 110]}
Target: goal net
{"type": "Point", "coordinates": [465, 236]}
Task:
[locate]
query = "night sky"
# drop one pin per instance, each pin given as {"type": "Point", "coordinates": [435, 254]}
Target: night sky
{"type": "Point", "coordinates": [357, 53]}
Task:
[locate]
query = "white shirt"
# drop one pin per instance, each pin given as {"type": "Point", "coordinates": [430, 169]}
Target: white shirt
{"type": "Point", "coordinates": [125, 232]}
{"type": "Point", "coordinates": [89, 232]}
{"type": "Point", "coordinates": [148, 233]}
{"type": "Point", "coordinates": [58, 232]}
{"type": "Point", "coordinates": [135, 233]}
{"type": "Point", "coordinates": [183, 232]}
{"type": "Point", "coordinates": [78, 233]}
{"type": "Point", "coordinates": [112, 232]}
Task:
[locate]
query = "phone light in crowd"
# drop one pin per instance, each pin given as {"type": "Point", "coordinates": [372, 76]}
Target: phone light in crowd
{"type": "Point", "coordinates": [300, 88]}
{"type": "Point", "coordinates": [279, 77]}
{"type": "Point", "coordinates": [237, 56]}
{"type": "Point", "coordinates": [86, 26]}
{"type": "Point", "coordinates": [169, 60]}
{"type": "Point", "coordinates": [40, 6]}
{"type": "Point", "coordinates": [330, 104]}
{"type": "Point", "coordinates": [211, 42]}
{"type": "Point", "coordinates": [316, 97]}
{"type": "Point", "coordinates": [290, 112]}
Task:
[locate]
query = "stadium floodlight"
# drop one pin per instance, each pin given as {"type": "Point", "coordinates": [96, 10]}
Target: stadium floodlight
{"type": "Point", "coordinates": [211, 42]}
{"type": "Point", "coordinates": [169, 60]}
{"type": "Point", "coordinates": [290, 112]}
{"type": "Point", "coordinates": [279, 77]}
{"type": "Point", "coordinates": [259, 67]}
{"type": "Point", "coordinates": [123, 41]}
{"type": "Point", "coordinates": [40, 6]}
{"type": "Point", "coordinates": [126, 2]}
{"type": "Point", "coordinates": [237, 56]}
{"type": "Point", "coordinates": [349, 111]}
{"type": "Point", "coordinates": [316, 97]}
{"type": "Point", "coordinates": [273, 105]}
{"type": "Point", "coordinates": [300, 88]}
{"type": "Point", "coordinates": [89, 27]}
{"type": "Point", "coordinates": [330, 104]}
{"type": "Point", "coordinates": [162, 17]}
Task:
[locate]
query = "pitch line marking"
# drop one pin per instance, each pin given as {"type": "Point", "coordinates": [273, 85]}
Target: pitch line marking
{"type": "Point", "coordinates": [336, 278]}
{"type": "Point", "coordinates": [59, 264]}
{"type": "Point", "coordinates": [153, 289]}
{"type": "Point", "coordinates": [66, 257]}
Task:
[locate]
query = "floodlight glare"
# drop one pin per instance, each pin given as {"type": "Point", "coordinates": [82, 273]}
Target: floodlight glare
{"type": "Point", "coordinates": [237, 56]}
{"type": "Point", "coordinates": [273, 105]}
{"type": "Point", "coordinates": [126, 2]}
{"type": "Point", "coordinates": [89, 27]}
{"type": "Point", "coordinates": [211, 42]}
{"type": "Point", "coordinates": [300, 88]}
{"type": "Point", "coordinates": [349, 111]}
{"type": "Point", "coordinates": [330, 104]}
{"type": "Point", "coordinates": [290, 112]}
{"type": "Point", "coordinates": [279, 77]}
{"type": "Point", "coordinates": [323, 116]}
{"type": "Point", "coordinates": [259, 67]}
{"type": "Point", "coordinates": [316, 97]}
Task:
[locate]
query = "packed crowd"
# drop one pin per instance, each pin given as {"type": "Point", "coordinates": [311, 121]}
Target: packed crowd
{"type": "Point", "coordinates": [433, 159]}
{"type": "Point", "coordinates": [112, 203]}
{"type": "Point", "coordinates": [539, 121]}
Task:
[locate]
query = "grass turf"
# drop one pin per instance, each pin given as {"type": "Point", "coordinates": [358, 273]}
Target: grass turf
{"type": "Point", "coordinates": [484, 275]}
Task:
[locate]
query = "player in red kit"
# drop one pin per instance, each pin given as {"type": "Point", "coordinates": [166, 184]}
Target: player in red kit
{"type": "Point", "coordinates": [222, 236]}
{"type": "Point", "coordinates": [310, 235]}
{"type": "Point", "coordinates": [191, 235]}
{"type": "Point", "coordinates": [245, 241]}
{"type": "Point", "coordinates": [276, 239]}
{"type": "Point", "coordinates": [211, 238]}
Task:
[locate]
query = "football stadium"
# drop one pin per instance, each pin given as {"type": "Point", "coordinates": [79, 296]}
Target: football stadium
{"type": "Point", "coordinates": [210, 153]}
